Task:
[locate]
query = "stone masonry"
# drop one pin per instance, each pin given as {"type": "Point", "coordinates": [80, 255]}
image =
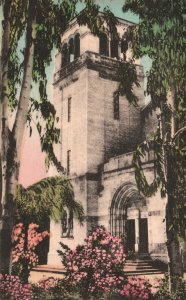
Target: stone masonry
{"type": "Point", "coordinates": [96, 148]}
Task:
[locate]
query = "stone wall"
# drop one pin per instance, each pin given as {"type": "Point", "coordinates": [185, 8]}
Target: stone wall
{"type": "Point", "coordinates": [98, 165]}
{"type": "Point", "coordinates": [108, 137]}
{"type": "Point", "coordinates": [79, 230]}
{"type": "Point", "coordinates": [73, 132]}
{"type": "Point", "coordinates": [117, 171]}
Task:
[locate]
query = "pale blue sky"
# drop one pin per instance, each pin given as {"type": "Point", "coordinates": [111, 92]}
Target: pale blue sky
{"type": "Point", "coordinates": [116, 8]}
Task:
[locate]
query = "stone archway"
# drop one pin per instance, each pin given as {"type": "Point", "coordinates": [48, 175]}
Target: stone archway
{"type": "Point", "coordinates": [128, 217]}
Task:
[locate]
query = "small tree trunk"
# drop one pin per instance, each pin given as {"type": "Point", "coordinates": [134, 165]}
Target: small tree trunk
{"type": "Point", "coordinates": [12, 154]}
{"type": "Point", "coordinates": [6, 207]}
{"type": "Point", "coordinates": [173, 246]}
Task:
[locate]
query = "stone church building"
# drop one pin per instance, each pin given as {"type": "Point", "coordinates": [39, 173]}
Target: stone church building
{"type": "Point", "coordinates": [99, 132]}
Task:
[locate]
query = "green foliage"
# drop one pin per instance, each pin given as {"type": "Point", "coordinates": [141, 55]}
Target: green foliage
{"type": "Point", "coordinates": [153, 146]}
{"type": "Point", "coordinates": [50, 21]}
{"type": "Point", "coordinates": [39, 293]}
{"type": "Point", "coordinates": [164, 293]}
{"type": "Point", "coordinates": [96, 21]}
{"type": "Point", "coordinates": [55, 289]}
{"type": "Point", "coordinates": [160, 34]}
{"type": "Point", "coordinates": [127, 77]}
{"type": "Point", "coordinates": [48, 197]}
{"type": "Point", "coordinates": [177, 183]}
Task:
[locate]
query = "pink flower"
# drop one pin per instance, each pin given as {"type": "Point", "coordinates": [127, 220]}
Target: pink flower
{"type": "Point", "coordinates": [34, 238]}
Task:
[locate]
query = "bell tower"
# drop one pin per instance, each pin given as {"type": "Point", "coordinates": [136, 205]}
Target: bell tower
{"type": "Point", "coordinates": [95, 122]}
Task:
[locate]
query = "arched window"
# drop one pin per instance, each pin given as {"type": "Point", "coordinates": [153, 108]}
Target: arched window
{"type": "Point", "coordinates": [124, 48]}
{"type": "Point", "coordinates": [114, 48]}
{"type": "Point", "coordinates": [67, 224]}
{"type": "Point", "coordinates": [71, 50]}
{"type": "Point", "coordinates": [64, 223]}
{"type": "Point", "coordinates": [70, 223]}
{"type": "Point", "coordinates": [76, 46]}
{"type": "Point", "coordinates": [103, 44]}
{"type": "Point", "coordinates": [68, 162]}
{"type": "Point", "coordinates": [64, 55]}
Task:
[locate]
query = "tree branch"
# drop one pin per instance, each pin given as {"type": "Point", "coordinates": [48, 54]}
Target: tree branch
{"type": "Point", "coordinates": [181, 130]}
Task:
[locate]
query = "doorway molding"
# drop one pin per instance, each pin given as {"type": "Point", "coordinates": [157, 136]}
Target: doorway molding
{"type": "Point", "coordinates": [128, 204]}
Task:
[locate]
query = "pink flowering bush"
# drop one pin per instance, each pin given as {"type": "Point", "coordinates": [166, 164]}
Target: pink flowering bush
{"type": "Point", "coordinates": [12, 288]}
{"type": "Point", "coordinates": [56, 289]}
{"type": "Point", "coordinates": [136, 288]}
{"type": "Point", "coordinates": [25, 243]}
{"type": "Point", "coordinates": [98, 264]}
{"type": "Point", "coordinates": [97, 268]}
{"type": "Point", "coordinates": [48, 283]}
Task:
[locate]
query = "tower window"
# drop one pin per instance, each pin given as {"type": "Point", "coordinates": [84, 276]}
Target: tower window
{"type": "Point", "coordinates": [124, 48]}
{"type": "Point", "coordinates": [71, 50]}
{"type": "Point", "coordinates": [68, 161]}
{"type": "Point", "coordinates": [69, 109]}
{"type": "Point", "coordinates": [64, 55]}
{"type": "Point", "coordinates": [76, 46]}
{"type": "Point", "coordinates": [116, 106]}
{"type": "Point", "coordinates": [114, 48]}
{"type": "Point", "coordinates": [103, 44]}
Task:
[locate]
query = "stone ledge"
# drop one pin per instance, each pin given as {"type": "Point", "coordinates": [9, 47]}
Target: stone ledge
{"type": "Point", "coordinates": [106, 66]}
{"type": "Point", "coordinates": [124, 161]}
{"type": "Point", "coordinates": [50, 269]}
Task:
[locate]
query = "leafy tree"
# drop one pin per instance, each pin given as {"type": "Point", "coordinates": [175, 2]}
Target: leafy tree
{"type": "Point", "coordinates": [35, 22]}
{"type": "Point", "coordinates": [46, 198]}
{"type": "Point", "coordinates": [38, 24]}
{"type": "Point", "coordinates": [160, 34]}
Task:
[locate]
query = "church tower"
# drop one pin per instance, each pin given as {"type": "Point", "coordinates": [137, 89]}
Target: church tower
{"type": "Point", "coordinates": [96, 124]}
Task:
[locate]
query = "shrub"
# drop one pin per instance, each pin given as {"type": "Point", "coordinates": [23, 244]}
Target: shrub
{"type": "Point", "coordinates": [178, 293]}
{"type": "Point", "coordinates": [55, 289]}
{"type": "Point", "coordinates": [12, 288]}
{"type": "Point", "coordinates": [48, 283]}
{"type": "Point", "coordinates": [136, 288]}
{"type": "Point", "coordinates": [23, 254]}
{"type": "Point", "coordinates": [97, 267]}
{"type": "Point", "coordinates": [62, 289]}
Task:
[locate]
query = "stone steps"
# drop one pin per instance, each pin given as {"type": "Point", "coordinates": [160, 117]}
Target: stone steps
{"type": "Point", "coordinates": [136, 266]}
{"type": "Point", "coordinates": [141, 266]}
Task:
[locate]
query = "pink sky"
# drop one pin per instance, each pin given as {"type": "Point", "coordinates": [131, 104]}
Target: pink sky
{"type": "Point", "coordinates": [32, 168]}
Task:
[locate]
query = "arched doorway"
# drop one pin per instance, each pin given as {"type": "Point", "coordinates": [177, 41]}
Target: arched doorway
{"type": "Point", "coordinates": [128, 218]}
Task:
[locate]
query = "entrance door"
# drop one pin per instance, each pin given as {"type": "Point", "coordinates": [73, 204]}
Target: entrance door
{"type": "Point", "coordinates": [143, 236]}
{"type": "Point", "coordinates": [130, 235]}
